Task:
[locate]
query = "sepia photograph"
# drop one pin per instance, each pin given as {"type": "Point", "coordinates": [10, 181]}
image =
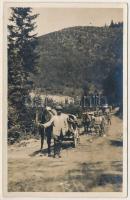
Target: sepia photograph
{"type": "Point", "coordinates": [66, 89]}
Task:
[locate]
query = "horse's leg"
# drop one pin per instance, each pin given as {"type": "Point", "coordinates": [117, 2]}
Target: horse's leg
{"type": "Point", "coordinates": [49, 147]}
{"type": "Point", "coordinates": [42, 141]}
{"type": "Point", "coordinates": [85, 128]}
{"type": "Point", "coordinates": [49, 143]}
{"type": "Point", "coordinates": [42, 137]}
{"type": "Point", "coordinates": [90, 128]}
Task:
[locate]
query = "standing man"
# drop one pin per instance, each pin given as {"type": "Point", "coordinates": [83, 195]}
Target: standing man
{"type": "Point", "coordinates": [109, 118]}
{"type": "Point", "coordinates": [58, 122]}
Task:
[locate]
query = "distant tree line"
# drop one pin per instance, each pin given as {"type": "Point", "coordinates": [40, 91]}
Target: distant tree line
{"type": "Point", "coordinates": [116, 25]}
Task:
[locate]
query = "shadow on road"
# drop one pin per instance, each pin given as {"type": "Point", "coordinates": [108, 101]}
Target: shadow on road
{"type": "Point", "coordinates": [35, 153]}
{"type": "Point", "coordinates": [104, 179]}
{"type": "Point", "coordinates": [91, 176]}
{"type": "Point", "coordinates": [45, 151]}
{"type": "Point", "coordinates": [116, 143]}
{"type": "Point", "coordinates": [117, 165]}
{"type": "Point", "coordinates": [67, 145]}
{"type": "Point", "coordinates": [86, 178]}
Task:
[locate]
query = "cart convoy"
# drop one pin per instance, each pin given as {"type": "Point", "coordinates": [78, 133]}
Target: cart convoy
{"type": "Point", "coordinates": [62, 127]}
{"type": "Point", "coordinates": [96, 122]}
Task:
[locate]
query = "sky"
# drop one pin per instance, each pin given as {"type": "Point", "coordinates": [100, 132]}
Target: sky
{"type": "Point", "coordinates": [54, 19]}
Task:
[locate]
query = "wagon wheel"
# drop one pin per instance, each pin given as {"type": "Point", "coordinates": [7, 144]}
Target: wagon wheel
{"type": "Point", "coordinates": [101, 132]}
{"type": "Point", "coordinates": [97, 130]}
{"type": "Point", "coordinates": [75, 142]}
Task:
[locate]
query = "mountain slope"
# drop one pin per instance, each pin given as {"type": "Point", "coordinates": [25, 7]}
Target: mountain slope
{"type": "Point", "coordinates": [75, 57]}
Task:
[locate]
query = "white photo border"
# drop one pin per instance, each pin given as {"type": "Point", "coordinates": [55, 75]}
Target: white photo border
{"type": "Point", "coordinates": [103, 4]}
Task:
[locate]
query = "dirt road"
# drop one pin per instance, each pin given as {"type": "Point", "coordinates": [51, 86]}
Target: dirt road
{"type": "Point", "coordinates": [94, 166]}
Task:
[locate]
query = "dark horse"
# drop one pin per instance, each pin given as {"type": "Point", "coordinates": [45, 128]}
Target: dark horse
{"type": "Point", "coordinates": [43, 117]}
{"type": "Point", "coordinates": [86, 122]}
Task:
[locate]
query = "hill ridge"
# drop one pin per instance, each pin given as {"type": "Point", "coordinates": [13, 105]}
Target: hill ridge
{"type": "Point", "coordinates": [74, 57]}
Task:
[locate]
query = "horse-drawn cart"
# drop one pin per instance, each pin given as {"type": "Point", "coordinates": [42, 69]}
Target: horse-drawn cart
{"type": "Point", "coordinates": [94, 123]}
{"type": "Point", "coordinates": [73, 131]}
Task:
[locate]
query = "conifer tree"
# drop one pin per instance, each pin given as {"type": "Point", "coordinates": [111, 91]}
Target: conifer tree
{"type": "Point", "coordinates": [22, 61]}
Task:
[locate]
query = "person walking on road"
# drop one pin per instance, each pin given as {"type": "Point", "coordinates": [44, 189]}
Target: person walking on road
{"type": "Point", "coordinates": [109, 118]}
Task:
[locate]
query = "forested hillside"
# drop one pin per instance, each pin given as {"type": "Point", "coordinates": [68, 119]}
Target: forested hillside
{"type": "Point", "coordinates": [79, 57]}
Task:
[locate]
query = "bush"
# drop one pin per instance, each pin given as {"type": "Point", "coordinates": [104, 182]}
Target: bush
{"type": "Point", "coordinates": [72, 109]}
{"type": "Point", "coordinates": [16, 134]}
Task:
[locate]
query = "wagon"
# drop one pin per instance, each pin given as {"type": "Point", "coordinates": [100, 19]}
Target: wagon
{"type": "Point", "coordinates": [97, 123]}
{"type": "Point", "coordinates": [73, 131]}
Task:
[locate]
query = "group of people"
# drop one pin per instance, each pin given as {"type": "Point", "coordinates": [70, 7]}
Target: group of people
{"type": "Point", "coordinates": [55, 124]}
{"type": "Point", "coordinates": [56, 127]}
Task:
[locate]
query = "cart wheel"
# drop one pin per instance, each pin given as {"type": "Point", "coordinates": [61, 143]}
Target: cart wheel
{"type": "Point", "coordinates": [75, 142]}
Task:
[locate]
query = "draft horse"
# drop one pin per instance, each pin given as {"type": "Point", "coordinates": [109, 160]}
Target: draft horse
{"type": "Point", "coordinates": [42, 117]}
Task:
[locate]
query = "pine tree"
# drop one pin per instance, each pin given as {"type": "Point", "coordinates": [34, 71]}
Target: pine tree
{"type": "Point", "coordinates": [22, 61]}
{"type": "Point", "coordinates": [112, 24]}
